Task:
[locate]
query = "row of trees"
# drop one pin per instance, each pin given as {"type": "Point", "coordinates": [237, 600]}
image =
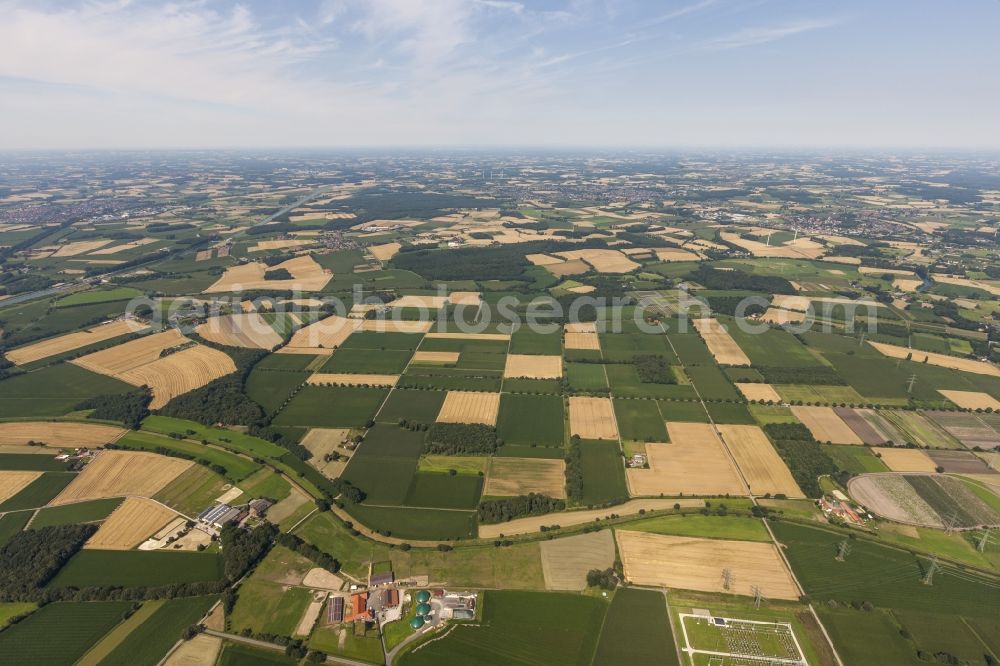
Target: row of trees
{"type": "Point", "coordinates": [462, 438]}
{"type": "Point", "coordinates": [532, 504]}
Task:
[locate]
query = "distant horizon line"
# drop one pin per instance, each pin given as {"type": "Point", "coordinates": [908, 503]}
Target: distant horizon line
{"type": "Point", "coordinates": [603, 148]}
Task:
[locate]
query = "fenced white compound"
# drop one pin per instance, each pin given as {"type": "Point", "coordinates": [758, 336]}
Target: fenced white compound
{"type": "Point", "coordinates": [737, 642]}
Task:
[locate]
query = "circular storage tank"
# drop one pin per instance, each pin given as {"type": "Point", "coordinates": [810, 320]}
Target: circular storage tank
{"type": "Point", "coordinates": [423, 596]}
{"type": "Point", "coordinates": [416, 623]}
{"type": "Point", "coordinates": [423, 609]}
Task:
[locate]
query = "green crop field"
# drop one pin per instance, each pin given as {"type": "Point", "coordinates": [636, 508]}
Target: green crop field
{"type": "Point", "coordinates": [586, 376]}
{"type": "Point", "coordinates": [266, 607]}
{"type": "Point", "coordinates": [774, 347]}
{"type": "Point", "coordinates": [237, 654]}
{"type": "Point", "coordinates": [373, 361]}
{"type": "Point", "coordinates": [683, 411]}
{"type": "Point", "coordinates": [867, 637]}
{"type": "Point", "coordinates": [526, 341]}
{"type": "Point", "coordinates": [712, 383]}
{"type": "Point", "coordinates": [714, 527]}
{"type": "Point", "coordinates": [519, 627]}
{"type": "Point", "coordinates": [765, 414]}
{"type": "Point", "coordinates": [270, 389]}
{"type": "Point", "coordinates": [228, 439]}
{"type": "Point", "coordinates": [192, 491]}
{"type": "Point", "coordinates": [341, 641]}
{"type": "Point", "coordinates": [730, 413]}
{"type": "Point", "coordinates": [414, 523]}
{"type": "Point", "coordinates": [827, 394]}
{"type": "Point", "coordinates": [149, 642]}
{"type": "Point", "coordinates": [59, 633]}
{"type": "Point", "coordinates": [237, 468]}
{"type": "Point", "coordinates": [445, 491]}
{"type": "Point", "coordinates": [624, 381]}
{"type": "Point", "coordinates": [639, 420]}
{"type": "Point", "coordinates": [384, 464]}
{"type": "Point", "coordinates": [375, 340]}
{"type": "Point", "coordinates": [415, 406]}
{"type": "Point", "coordinates": [618, 347]}
{"type": "Point", "coordinates": [11, 524]}
{"type": "Point", "coordinates": [854, 459]}
{"type": "Point", "coordinates": [885, 576]}
{"type": "Point", "coordinates": [136, 568]}
{"type": "Point", "coordinates": [332, 407]}
{"type": "Point", "coordinates": [550, 386]}
{"type": "Point", "coordinates": [39, 492]}
{"type": "Point", "coordinates": [603, 472]}
{"type": "Point", "coordinates": [940, 633]}
{"type": "Point", "coordinates": [690, 348]}
{"type": "Point", "coordinates": [54, 390]}
{"type": "Point", "coordinates": [98, 296]}
{"type": "Point", "coordinates": [527, 420]}
{"type": "Point", "coordinates": [285, 362]}
{"type": "Point", "coordinates": [11, 609]}
{"type": "Point", "coordinates": [81, 512]}
{"type": "Point", "coordinates": [920, 430]}
{"type": "Point", "coordinates": [32, 462]}
{"type": "Point", "coordinates": [636, 630]}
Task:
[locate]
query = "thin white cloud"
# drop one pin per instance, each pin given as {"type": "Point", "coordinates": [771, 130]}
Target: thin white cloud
{"type": "Point", "coordinates": [757, 35]}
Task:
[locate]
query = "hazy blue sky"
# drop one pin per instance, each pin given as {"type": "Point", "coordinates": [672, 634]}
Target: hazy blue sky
{"type": "Point", "coordinates": [497, 72]}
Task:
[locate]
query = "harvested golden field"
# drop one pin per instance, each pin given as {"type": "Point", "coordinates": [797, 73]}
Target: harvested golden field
{"type": "Point", "coordinates": [444, 358]}
{"type": "Point", "coordinates": [533, 367]}
{"type": "Point", "coordinates": [465, 298]}
{"type": "Point", "coordinates": [307, 275]}
{"type": "Point", "coordinates": [202, 650]}
{"type": "Point", "coordinates": [985, 285]}
{"type": "Point", "coordinates": [265, 245]}
{"type": "Point", "coordinates": [385, 251]}
{"type": "Point", "coordinates": [59, 433]}
{"type": "Point", "coordinates": [905, 460]}
{"type": "Point", "coordinates": [786, 302]}
{"type": "Point", "coordinates": [825, 425]}
{"type": "Point", "coordinates": [13, 482]}
{"type": "Point", "coordinates": [762, 467]}
{"type": "Point", "coordinates": [122, 474]}
{"type": "Point", "coordinates": [906, 284]}
{"type": "Point", "coordinates": [972, 399]}
{"type": "Point", "coordinates": [871, 270]}
{"type": "Point", "coordinates": [592, 418]}
{"type": "Point", "coordinates": [762, 392]}
{"type": "Point", "coordinates": [321, 337]}
{"type": "Point", "coordinates": [468, 336]}
{"type": "Point", "coordinates": [79, 247]}
{"type": "Point", "coordinates": [346, 379]}
{"type": "Point", "coordinates": [520, 476]}
{"type": "Point", "coordinates": [425, 302]}
{"type": "Point", "coordinates": [180, 372]}
{"type": "Point", "coordinates": [803, 248]}
{"type": "Point", "coordinates": [543, 259]}
{"type": "Point", "coordinates": [130, 524]}
{"type": "Point", "coordinates": [581, 327]}
{"type": "Point", "coordinates": [565, 562]}
{"type": "Point", "coordinates": [396, 326]}
{"type": "Point", "coordinates": [942, 360]}
{"type": "Point", "coordinates": [240, 330]}
{"type": "Point", "coordinates": [287, 506]}
{"type": "Point", "coordinates": [782, 317]}
{"type": "Point", "coordinates": [603, 261]}
{"type": "Point", "coordinates": [470, 407]}
{"type": "Point", "coordinates": [581, 341]}
{"type": "Point", "coordinates": [71, 341]}
{"type": "Point", "coordinates": [569, 518]}
{"type": "Point", "coordinates": [669, 254]}
{"type": "Point", "coordinates": [720, 343]}
{"type": "Point", "coordinates": [696, 564]}
{"type": "Point", "coordinates": [565, 268]}
{"type": "Point", "coordinates": [129, 355]}
{"type": "Point", "coordinates": [694, 463]}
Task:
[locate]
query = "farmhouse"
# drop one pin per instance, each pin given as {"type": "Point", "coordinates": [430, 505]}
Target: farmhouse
{"type": "Point", "coordinates": [221, 515]}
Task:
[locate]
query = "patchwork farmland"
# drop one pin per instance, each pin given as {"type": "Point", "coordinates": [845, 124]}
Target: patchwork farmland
{"type": "Point", "coordinates": [179, 428]}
